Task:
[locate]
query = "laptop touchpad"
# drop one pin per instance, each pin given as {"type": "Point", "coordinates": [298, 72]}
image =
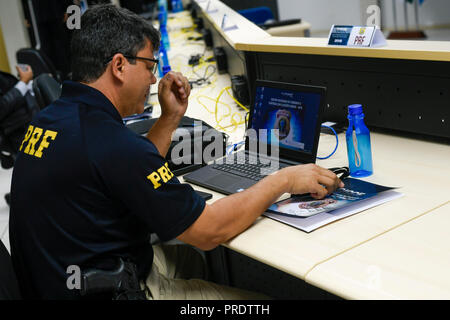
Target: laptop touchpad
{"type": "Point", "coordinates": [223, 180]}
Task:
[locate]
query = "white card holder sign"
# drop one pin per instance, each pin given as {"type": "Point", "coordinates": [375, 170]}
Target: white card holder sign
{"type": "Point", "coordinates": [356, 36]}
{"type": "Point", "coordinates": [227, 24]}
{"type": "Point", "coordinates": [210, 8]}
{"type": "Point", "coordinates": [202, 3]}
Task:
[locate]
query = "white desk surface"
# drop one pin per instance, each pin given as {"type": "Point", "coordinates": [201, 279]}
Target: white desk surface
{"type": "Point", "coordinates": [297, 253]}
{"type": "Point", "coordinates": [420, 170]}
{"type": "Point", "coordinates": [409, 262]}
{"type": "Point", "coordinates": [246, 29]}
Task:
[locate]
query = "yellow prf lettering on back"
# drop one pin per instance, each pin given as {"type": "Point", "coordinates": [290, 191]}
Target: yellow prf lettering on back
{"type": "Point", "coordinates": [32, 142]}
{"type": "Point", "coordinates": [44, 142]}
{"type": "Point", "coordinates": [154, 178]}
{"type": "Point", "coordinates": [27, 136]}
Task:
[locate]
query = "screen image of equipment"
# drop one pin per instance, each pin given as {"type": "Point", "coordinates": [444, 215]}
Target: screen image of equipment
{"type": "Point", "coordinates": [292, 115]}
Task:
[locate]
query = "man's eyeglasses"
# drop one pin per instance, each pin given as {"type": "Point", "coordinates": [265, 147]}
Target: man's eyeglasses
{"type": "Point", "coordinates": [154, 66]}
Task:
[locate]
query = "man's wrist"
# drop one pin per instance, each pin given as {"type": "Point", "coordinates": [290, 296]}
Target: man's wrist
{"type": "Point", "coordinates": [171, 120]}
{"type": "Point", "coordinates": [285, 178]}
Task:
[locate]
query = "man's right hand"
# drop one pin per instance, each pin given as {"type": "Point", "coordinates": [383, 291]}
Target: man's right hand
{"type": "Point", "coordinates": [229, 216]}
{"type": "Point", "coordinates": [25, 76]}
{"type": "Point", "coordinates": [173, 94]}
{"type": "Point", "coordinates": [311, 178]}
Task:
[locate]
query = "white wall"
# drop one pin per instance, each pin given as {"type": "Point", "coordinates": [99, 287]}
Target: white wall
{"type": "Point", "coordinates": [432, 13]}
{"type": "Point", "coordinates": [324, 13]}
{"type": "Point", "coordinates": [14, 30]}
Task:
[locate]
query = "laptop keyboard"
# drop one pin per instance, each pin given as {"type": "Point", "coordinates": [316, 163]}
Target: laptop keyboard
{"type": "Point", "coordinates": [251, 171]}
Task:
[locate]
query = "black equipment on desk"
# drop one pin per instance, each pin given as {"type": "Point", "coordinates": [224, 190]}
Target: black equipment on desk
{"type": "Point", "coordinates": [205, 195]}
{"type": "Point", "coordinates": [199, 22]}
{"type": "Point", "coordinates": [207, 37]}
{"type": "Point", "coordinates": [181, 163]}
{"type": "Point", "coordinates": [221, 60]}
{"type": "Point", "coordinates": [240, 89]}
{"type": "Point", "coordinates": [194, 13]}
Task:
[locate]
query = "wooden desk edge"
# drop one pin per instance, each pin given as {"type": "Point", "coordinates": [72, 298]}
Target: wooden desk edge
{"type": "Point", "coordinates": [383, 52]}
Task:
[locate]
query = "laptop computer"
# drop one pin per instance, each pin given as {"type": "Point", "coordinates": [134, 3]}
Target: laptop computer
{"type": "Point", "coordinates": [285, 119]}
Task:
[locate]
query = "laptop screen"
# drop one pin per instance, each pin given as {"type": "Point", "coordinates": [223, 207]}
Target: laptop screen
{"type": "Point", "coordinates": [292, 109]}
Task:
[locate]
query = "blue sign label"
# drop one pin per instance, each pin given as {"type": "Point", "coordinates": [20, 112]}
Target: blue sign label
{"type": "Point", "coordinates": [339, 35]}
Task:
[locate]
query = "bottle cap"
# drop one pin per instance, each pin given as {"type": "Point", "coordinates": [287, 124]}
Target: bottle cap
{"type": "Point", "coordinates": [355, 109]}
{"type": "Point", "coordinates": [166, 69]}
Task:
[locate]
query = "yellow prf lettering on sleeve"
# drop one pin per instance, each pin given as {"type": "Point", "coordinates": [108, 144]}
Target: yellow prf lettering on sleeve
{"type": "Point", "coordinates": [44, 142]}
{"type": "Point", "coordinates": [170, 172]}
{"type": "Point", "coordinates": [164, 173]}
{"type": "Point", "coordinates": [27, 136]}
{"type": "Point", "coordinates": [34, 138]}
{"type": "Point", "coordinates": [154, 178]}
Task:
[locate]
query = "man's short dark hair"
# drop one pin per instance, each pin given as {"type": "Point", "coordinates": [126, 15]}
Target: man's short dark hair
{"type": "Point", "coordinates": [105, 31]}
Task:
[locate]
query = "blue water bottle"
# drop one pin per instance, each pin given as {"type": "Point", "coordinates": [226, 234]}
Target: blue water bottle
{"type": "Point", "coordinates": [163, 66]}
{"type": "Point", "coordinates": [162, 16]}
{"type": "Point", "coordinates": [177, 6]}
{"type": "Point", "coordinates": [164, 36]}
{"type": "Point", "coordinates": [180, 6]}
{"type": "Point", "coordinates": [358, 143]}
{"type": "Point", "coordinates": [162, 3]}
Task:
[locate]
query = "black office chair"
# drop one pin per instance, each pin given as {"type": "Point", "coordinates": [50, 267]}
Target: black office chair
{"type": "Point", "coordinates": [13, 127]}
{"type": "Point", "coordinates": [46, 90]}
{"type": "Point", "coordinates": [264, 18]}
{"type": "Point", "coordinates": [38, 61]}
{"type": "Point", "coordinates": [9, 287]}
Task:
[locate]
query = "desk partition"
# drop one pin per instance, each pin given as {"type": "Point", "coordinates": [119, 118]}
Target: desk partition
{"type": "Point", "coordinates": [404, 86]}
{"type": "Point", "coordinates": [401, 94]}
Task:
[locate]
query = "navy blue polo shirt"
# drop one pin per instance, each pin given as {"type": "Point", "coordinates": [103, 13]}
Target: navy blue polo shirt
{"type": "Point", "coordinates": [86, 190]}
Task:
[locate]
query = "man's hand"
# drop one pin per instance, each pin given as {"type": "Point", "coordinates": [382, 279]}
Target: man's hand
{"type": "Point", "coordinates": [229, 216]}
{"type": "Point", "coordinates": [312, 179]}
{"type": "Point", "coordinates": [25, 76]}
{"type": "Point", "coordinates": [173, 94]}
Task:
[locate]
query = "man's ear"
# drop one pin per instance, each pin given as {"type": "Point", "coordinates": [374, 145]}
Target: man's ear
{"type": "Point", "coordinates": [118, 64]}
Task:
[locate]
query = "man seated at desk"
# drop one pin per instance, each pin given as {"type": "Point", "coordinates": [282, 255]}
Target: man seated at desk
{"type": "Point", "coordinates": [82, 189]}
